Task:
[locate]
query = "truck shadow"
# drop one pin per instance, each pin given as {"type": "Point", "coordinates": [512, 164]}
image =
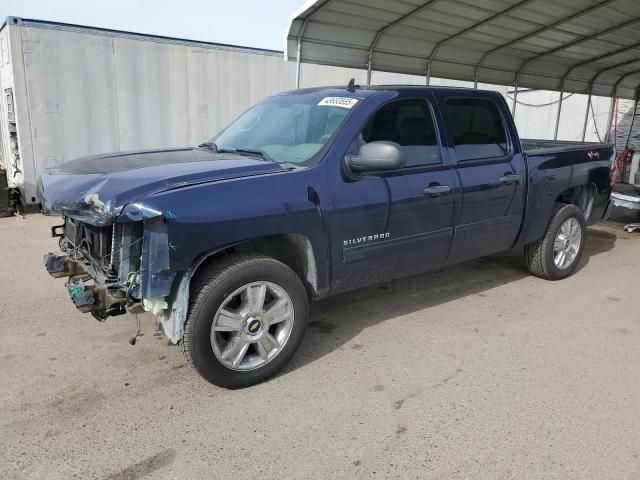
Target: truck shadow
{"type": "Point", "coordinates": [336, 321]}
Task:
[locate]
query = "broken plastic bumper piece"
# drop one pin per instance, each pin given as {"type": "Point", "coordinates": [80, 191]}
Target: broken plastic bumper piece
{"type": "Point", "coordinates": [81, 295]}
{"type": "Point", "coordinates": [59, 266]}
{"type": "Point", "coordinates": [54, 263]}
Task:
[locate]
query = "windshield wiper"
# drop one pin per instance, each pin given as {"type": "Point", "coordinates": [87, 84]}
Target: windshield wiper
{"type": "Point", "coordinates": [210, 145]}
{"type": "Point", "coordinates": [254, 152]}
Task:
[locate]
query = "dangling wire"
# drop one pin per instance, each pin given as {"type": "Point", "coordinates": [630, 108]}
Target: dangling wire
{"type": "Point", "coordinates": [555, 102]}
{"type": "Point", "coordinates": [134, 339]}
{"type": "Point", "coordinates": [595, 123]}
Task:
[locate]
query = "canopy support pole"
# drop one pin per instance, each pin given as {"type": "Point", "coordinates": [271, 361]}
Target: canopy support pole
{"type": "Point", "coordinates": [515, 99]}
{"type": "Point", "coordinates": [429, 72]}
{"type": "Point", "coordinates": [612, 108]}
{"type": "Point", "coordinates": [586, 116]}
{"type": "Point", "coordinates": [298, 66]}
{"type": "Point", "coordinates": [555, 133]}
{"type": "Point", "coordinates": [299, 50]}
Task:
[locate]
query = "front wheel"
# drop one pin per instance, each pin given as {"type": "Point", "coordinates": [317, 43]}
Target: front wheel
{"type": "Point", "coordinates": [246, 319]}
{"type": "Point", "coordinates": [557, 254]}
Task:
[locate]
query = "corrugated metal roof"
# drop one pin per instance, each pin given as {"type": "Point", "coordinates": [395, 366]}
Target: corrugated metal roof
{"type": "Point", "coordinates": [569, 45]}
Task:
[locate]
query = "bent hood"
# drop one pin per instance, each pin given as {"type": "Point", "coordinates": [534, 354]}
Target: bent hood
{"type": "Point", "coordinates": [95, 189]}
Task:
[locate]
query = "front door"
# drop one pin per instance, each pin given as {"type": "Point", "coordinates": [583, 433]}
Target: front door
{"type": "Point", "coordinates": [404, 225]}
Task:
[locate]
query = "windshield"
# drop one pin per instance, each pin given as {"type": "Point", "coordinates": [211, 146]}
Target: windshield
{"type": "Point", "coordinates": [287, 128]}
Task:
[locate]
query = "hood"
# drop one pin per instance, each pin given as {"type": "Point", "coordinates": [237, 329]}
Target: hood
{"type": "Point", "coordinates": [95, 189]}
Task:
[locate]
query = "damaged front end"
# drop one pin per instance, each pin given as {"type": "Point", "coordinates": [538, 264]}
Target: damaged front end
{"type": "Point", "coordinates": [120, 267]}
{"type": "Point", "coordinates": [102, 264]}
{"type": "Point", "coordinates": [115, 240]}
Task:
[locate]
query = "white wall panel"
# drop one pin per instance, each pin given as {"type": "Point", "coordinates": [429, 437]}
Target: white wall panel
{"type": "Point", "coordinates": [70, 82]}
{"type": "Point", "coordinates": [151, 89]}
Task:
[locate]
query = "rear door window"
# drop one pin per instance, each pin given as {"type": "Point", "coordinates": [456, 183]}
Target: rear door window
{"type": "Point", "coordinates": [476, 127]}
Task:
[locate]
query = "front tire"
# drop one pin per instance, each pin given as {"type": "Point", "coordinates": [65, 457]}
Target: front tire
{"type": "Point", "coordinates": [247, 317]}
{"type": "Point", "coordinates": [556, 255]}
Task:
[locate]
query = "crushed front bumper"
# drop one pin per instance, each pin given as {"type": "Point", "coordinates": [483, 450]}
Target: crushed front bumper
{"type": "Point", "coordinates": [87, 293]}
{"type": "Point", "coordinates": [119, 268]}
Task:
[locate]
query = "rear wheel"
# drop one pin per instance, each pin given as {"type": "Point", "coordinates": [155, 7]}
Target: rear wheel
{"type": "Point", "coordinates": [246, 319]}
{"type": "Point", "coordinates": [557, 254]}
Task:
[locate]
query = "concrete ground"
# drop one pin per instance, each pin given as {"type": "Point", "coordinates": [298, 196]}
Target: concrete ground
{"type": "Point", "coordinates": [478, 371]}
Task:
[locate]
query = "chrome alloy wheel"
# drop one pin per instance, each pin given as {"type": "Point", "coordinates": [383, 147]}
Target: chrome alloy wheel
{"type": "Point", "coordinates": [567, 243]}
{"type": "Point", "coordinates": [252, 326]}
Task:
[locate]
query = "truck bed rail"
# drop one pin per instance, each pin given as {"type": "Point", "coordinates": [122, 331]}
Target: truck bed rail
{"type": "Point", "coordinates": [549, 146]}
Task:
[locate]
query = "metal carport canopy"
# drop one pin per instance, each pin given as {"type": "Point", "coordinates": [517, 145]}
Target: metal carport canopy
{"type": "Point", "coordinates": [578, 46]}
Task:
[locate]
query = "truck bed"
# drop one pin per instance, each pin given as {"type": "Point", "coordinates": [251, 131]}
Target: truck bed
{"type": "Point", "coordinates": [533, 146]}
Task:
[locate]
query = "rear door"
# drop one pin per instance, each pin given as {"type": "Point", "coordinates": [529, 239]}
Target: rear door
{"type": "Point", "coordinates": [412, 231]}
{"type": "Point", "coordinates": [491, 171]}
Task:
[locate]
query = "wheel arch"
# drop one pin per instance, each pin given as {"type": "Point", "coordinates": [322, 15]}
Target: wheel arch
{"type": "Point", "coordinates": [293, 249]}
{"type": "Point", "coordinates": [582, 196]}
{"type": "Point", "coordinates": [544, 199]}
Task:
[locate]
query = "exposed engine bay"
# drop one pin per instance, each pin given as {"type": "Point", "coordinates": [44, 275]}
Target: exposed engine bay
{"type": "Point", "coordinates": [102, 264]}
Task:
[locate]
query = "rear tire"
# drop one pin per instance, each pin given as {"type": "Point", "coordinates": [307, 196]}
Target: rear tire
{"type": "Point", "coordinates": [556, 255]}
{"type": "Point", "coordinates": [247, 316]}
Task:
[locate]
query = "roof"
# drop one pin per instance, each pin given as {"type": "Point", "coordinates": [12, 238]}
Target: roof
{"type": "Point", "coordinates": [367, 90]}
{"type": "Point", "coordinates": [71, 27]}
{"type": "Point", "coordinates": [577, 46]}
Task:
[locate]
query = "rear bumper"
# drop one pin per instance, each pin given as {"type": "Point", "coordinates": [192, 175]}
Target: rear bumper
{"type": "Point", "coordinates": [607, 211]}
{"type": "Point", "coordinates": [624, 200]}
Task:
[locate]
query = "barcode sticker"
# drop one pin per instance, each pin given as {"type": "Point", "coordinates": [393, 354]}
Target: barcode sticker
{"type": "Point", "coordinates": [344, 102]}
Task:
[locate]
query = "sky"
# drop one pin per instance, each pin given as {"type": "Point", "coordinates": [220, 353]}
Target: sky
{"type": "Point", "coordinates": [251, 23]}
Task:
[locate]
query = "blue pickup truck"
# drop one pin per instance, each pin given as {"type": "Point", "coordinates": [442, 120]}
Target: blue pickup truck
{"type": "Point", "coordinates": [308, 194]}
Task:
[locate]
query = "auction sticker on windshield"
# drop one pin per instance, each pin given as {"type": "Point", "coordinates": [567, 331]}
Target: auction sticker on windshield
{"type": "Point", "coordinates": [344, 102]}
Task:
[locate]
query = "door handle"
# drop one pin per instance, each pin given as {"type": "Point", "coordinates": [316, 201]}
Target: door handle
{"type": "Point", "coordinates": [435, 190]}
{"type": "Point", "coordinates": [509, 178]}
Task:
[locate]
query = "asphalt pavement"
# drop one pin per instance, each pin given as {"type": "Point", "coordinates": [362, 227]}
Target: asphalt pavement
{"type": "Point", "coordinates": [478, 371]}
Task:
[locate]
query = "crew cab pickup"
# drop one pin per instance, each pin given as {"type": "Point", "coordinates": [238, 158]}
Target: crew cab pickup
{"type": "Point", "coordinates": [308, 194]}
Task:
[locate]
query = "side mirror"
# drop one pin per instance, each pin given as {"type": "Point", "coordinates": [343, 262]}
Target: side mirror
{"type": "Point", "coordinates": [377, 156]}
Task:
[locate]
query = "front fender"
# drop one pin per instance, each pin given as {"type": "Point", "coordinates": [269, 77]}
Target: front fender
{"type": "Point", "coordinates": [187, 225]}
